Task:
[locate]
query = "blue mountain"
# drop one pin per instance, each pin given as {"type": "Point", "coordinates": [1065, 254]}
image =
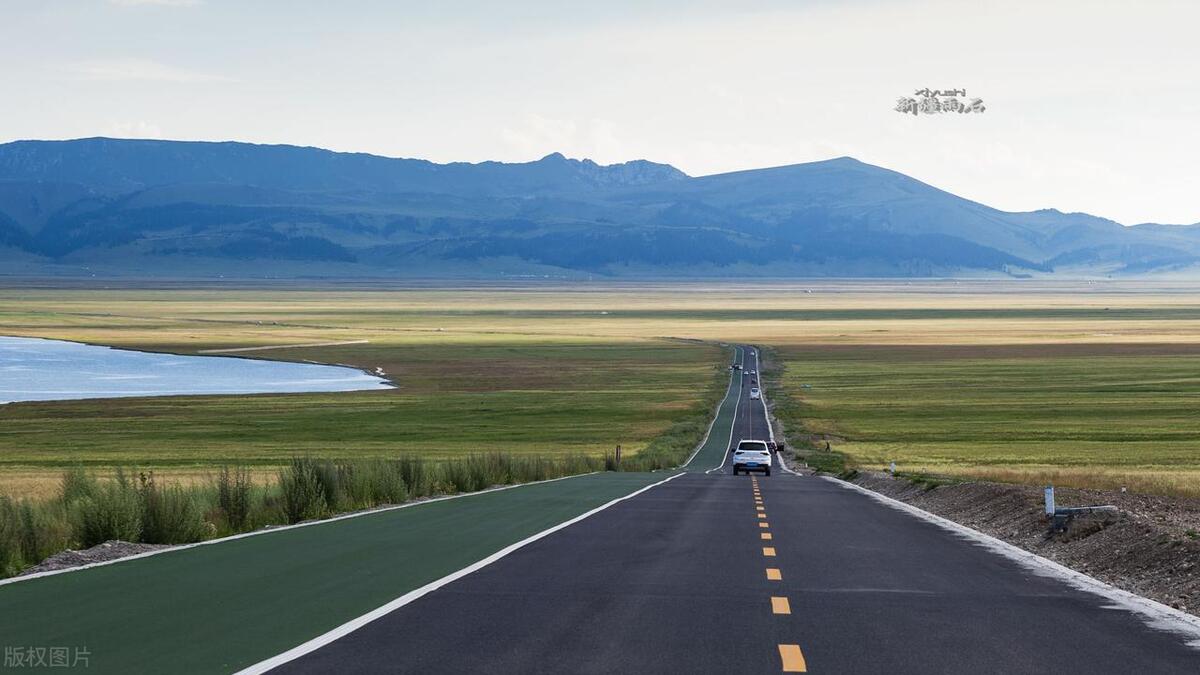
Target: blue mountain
{"type": "Point", "coordinates": [170, 208]}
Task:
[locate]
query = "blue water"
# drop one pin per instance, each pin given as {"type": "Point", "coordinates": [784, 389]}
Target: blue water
{"type": "Point", "coordinates": [32, 369]}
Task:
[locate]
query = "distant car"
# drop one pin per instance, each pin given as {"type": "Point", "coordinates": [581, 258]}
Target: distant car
{"type": "Point", "coordinates": [755, 393]}
{"type": "Point", "coordinates": [753, 371]}
{"type": "Point", "coordinates": [752, 456]}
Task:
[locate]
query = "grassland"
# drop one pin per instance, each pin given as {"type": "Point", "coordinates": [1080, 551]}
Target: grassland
{"type": "Point", "coordinates": [1089, 384]}
{"type": "Point", "coordinates": [1085, 415]}
{"type": "Point", "coordinates": [517, 385]}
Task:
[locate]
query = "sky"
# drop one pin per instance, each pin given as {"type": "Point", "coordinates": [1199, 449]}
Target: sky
{"type": "Point", "coordinates": [1091, 105]}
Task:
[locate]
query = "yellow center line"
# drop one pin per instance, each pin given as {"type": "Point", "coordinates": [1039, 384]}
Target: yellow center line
{"type": "Point", "coordinates": [769, 551]}
{"type": "Point", "coordinates": [762, 515]}
{"type": "Point", "coordinates": [764, 525]}
{"type": "Point", "coordinates": [780, 605]}
{"type": "Point", "coordinates": [793, 659]}
{"type": "Point", "coordinates": [766, 535]}
{"type": "Point", "coordinates": [773, 574]}
{"type": "Point", "coordinates": [760, 508]}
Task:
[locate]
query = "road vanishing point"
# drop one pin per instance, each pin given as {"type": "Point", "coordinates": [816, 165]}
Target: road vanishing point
{"type": "Point", "coordinates": [688, 571]}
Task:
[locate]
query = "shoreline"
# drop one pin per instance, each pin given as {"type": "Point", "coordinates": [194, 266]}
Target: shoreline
{"type": "Point", "coordinates": [377, 376]}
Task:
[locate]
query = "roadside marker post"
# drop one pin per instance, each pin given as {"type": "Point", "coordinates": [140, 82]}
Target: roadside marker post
{"type": "Point", "coordinates": [1049, 493]}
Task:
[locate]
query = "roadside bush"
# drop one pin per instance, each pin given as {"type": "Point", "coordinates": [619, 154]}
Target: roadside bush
{"type": "Point", "coordinates": [234, 496]}
{"type": "Point", "coordinates": [382, 482]}
{"type": "Point", "coordinates": [466, 475]}
{"type": "Point", "coordinates": [45, 530]}
{"type": "Point", "coordinates": [12, 558]}
{"type": "Point", "coordinates": [77, 484]}
{"type": "Point", "coordinates": [302, 490]}
{"type": "Point", "coordinates": [113, 512]}
{"type": "Point", "coordinates": [170, 514]}
{"type": "Point", "coordinates": [418, 478]}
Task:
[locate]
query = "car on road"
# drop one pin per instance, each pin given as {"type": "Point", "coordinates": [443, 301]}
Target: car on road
{"type": "Point", "coordinates": [755, 393]}
{"type": "Point", "coordinates": [752, 456]}
{"type": "Point", "coordinates": [753, 371]}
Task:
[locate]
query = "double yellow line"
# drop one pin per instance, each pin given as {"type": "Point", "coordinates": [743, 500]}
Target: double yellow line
{"type": "Point", "coordinates": [790, 655]}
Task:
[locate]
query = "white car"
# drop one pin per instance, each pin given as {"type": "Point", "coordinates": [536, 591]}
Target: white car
{"type": "Point", "coordinates": [755, 393]}
{"type": "Point", "coordinates": [752, 456]}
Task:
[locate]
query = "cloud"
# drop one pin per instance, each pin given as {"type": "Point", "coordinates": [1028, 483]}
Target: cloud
{"type": "Point", "coordinates": [126, 70]}
{"type": "Point", "coordinates": [154, 3]}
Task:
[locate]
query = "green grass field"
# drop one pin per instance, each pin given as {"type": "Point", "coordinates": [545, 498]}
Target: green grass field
{"type": "Point", "coordinates": [477, 385]}
{"type": "Point", "coordinates": [1090, 415]}
{"type": "Point", "coordinates": [1085, 384]}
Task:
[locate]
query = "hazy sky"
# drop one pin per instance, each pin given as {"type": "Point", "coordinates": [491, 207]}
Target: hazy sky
{"type": "Point", "coordinates": [1091, 105]}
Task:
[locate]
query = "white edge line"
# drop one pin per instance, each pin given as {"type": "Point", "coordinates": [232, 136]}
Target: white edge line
{"type": "Point", "coordinates": [353, 625]}
{"type": "Point", "coordinates": [1154, 614]}
{"type": "Point", "coordinates": [282, 528]}
{"type": "Point", "coordinates": [733, 423]}
{"type": "Point", "coordinates": [716, 414]}
{"type": "Point", "coordinates": [762, 393]}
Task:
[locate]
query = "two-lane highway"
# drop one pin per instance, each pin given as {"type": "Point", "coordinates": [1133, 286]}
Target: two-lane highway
{"type": "Point", "coordinates": [750, 420]}
{"type": "Point", "coordinates": [714, 573]}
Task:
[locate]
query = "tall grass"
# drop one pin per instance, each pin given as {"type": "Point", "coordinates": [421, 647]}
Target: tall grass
{"type": "Point", "coordinates": [138, 507]}
{"type": "Point", "coordinates": [234, 495]}
{"type": "Point", "coordinates": [112, 511]}
{"type": "Point", "coordinates": [171, 514]}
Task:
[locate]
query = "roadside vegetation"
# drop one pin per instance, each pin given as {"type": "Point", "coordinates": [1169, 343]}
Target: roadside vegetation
{"type": "Point", "coordinates": [140, 507]}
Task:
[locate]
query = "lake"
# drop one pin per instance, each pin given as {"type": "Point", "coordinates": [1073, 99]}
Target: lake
{"type": "Point", "coordinates": [33, 369]}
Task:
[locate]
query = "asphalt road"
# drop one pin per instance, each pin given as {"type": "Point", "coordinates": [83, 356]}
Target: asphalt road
{"type": "Point", "coordinates": [712, 573]}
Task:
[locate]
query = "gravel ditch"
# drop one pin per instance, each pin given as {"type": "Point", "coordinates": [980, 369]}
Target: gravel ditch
{"type": "Point", "coordinates": [1152, 547]}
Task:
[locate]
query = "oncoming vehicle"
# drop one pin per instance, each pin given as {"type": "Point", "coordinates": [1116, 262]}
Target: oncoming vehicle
{"type": "Point", "coordinates": [755, 393]}
{"type": "Point", "coordinates": [752, 456]}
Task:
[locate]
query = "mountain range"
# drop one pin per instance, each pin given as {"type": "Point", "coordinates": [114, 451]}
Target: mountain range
{"type": "Point", "coordinates": [112, 207]}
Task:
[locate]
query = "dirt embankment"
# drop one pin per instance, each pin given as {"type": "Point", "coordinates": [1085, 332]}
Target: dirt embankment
{"type": "Point", "coordinates": [1152, 547]}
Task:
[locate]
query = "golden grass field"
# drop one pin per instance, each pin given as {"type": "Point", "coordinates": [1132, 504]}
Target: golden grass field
{"type": "Point", "coordinates": [1083, 383]}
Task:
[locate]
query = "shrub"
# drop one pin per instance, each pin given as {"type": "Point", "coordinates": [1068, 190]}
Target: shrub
{"type": "Point", "coordinates": [45, 530]}
{"type": "Point", "coordinates": [302, 491]}
{"type": "Point", "coordinates": [113, 512]}
{"type": "Point", "coordinates": [418, 478]}
{"type": "Point", "coordinates": [12, 559]}
{"type": "Point", "coordinates": [77, 484]}
{"type": "Point", "coordinates": [234, 496]}
{"type": "Point", "coordinates": [170, 514]}
{"type": "Point", "coordinates": [378, 482]}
